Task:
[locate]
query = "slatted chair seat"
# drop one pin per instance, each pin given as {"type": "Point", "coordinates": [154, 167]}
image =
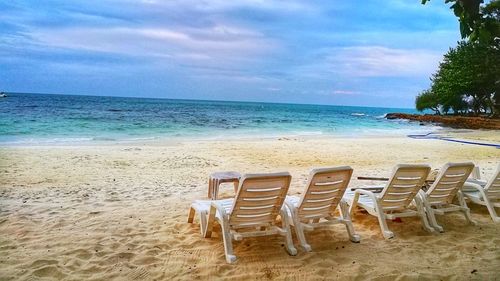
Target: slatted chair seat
{"type": "Point", "coordinates": [365, 202]}
{"type": "Point", "coordinates": [438, 199]}
{"type": "Point", "coordinates": [317, 204]}
{"type": "Point", "coordinates": [474, 194]}
{"type": "Point", "coordinates": [470, 181]}
{"type": "Point", "coordinates": [202, 207]}
{"type": "Point", "coordinates": [486, 193]}
{"type": "Point", "coordinates": [397, 198]}
{"type": "Point", "coordinates": [253, 212]}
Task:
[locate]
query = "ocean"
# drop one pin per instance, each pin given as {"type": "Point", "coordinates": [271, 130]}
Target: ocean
{"type": "Point", "coordinates": [52, 119]}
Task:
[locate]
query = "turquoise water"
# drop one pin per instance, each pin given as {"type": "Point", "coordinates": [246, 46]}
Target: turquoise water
{"type": "Point", "coordinates": [37, 118]}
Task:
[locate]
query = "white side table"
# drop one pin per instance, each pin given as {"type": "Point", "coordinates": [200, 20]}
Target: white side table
{"type": "Point", "coordinates": [222, 177]}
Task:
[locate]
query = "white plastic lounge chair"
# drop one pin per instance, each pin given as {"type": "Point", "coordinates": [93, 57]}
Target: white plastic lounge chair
{"type": "Point", "coordinates": [439, 197]}
{"type": "Point", "coordinates": [396, 197]}
{"type": "Point", "coordinates": [253, 212]}
{"type": "Point", "coordinates": [317, 205]}
{"type": "Point", "coordinates": [486, 193]}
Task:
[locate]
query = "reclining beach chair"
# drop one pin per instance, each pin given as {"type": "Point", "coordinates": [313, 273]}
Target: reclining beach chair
{"type": "Point", "coordinates": [486, 193]}
{"type": "Point", "coordinates": [439, 197]}
{"type": "Point", "coordinates": [396, 197]}
{"type": "Point", "coordinates": [317, 205]}
{"type": "Point", "coordinates": [253, 212]}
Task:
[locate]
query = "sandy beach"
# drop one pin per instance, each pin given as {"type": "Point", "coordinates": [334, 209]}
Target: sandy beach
{"type": "Point", "coordinates": [118, 212]}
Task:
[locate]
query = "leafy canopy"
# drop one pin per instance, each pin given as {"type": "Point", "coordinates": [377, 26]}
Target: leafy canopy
{"type": "Point", "coordinates": [477, 22]}
{"type": "Point", "coordinates": [467, 81]}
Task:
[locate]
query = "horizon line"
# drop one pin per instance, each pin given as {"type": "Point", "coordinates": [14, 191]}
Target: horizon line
{"type": "Point", "coordinates": [208, 100]}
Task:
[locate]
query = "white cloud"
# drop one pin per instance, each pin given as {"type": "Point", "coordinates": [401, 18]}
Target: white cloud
{"type": "Point", "coordinates": [219, 45]}
{"type": "Point", "coordinates": [344, 92]}
{"type": "Point", "coordinates": [273, 89]}
{"type": "Point", "coordinates": [377, 61]}
{"type": "Point", "coordinates": [224, 5]}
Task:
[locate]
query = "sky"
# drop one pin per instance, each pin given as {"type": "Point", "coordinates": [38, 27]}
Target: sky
{"type": "Point", "coordinates": [356, 52]}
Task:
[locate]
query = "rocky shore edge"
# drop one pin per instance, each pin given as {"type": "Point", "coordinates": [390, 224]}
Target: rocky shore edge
{"type": "Point", "coordinates": [458, 122]}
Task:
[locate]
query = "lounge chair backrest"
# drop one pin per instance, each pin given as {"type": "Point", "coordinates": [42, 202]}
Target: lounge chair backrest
{"type": "Point", "coordinates": [493, 186]}
{"type": "Point", "coordinates": [259, 199]}
{"type": "Point", "coordinates": [404, 184]}
{"type": "Point", "coordinates": [325, 188]}
{"type": "Point", "coordinates": [448, 182]}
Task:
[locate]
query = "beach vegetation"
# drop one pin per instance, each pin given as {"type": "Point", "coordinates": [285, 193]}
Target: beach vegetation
{"type": "Point", "coordinates": [478, 21]}
{"type": "Point", "coordinates": [428, 100]}
{"type": "Point", "coordinates": [466, 82]}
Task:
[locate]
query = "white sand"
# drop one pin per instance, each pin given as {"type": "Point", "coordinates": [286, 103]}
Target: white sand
{"type": "Point", "coordinates": [119, 212]}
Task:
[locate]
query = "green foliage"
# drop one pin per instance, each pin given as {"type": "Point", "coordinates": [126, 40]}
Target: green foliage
{"type": "Point", "coordinates": [477, 22]}
{"type": "Point", "coordinates": [427, 100]}
{"type": "Point", "coordinates": [467, 81]}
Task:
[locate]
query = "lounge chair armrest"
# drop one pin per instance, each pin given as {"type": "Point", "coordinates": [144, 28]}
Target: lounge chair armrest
{"type": "Point", "coordinates": [476, 181]}
{"type": "Point", "coordinates": [219, 208]}
{"type": "Point", "coordinates": [477, 187]}
{"type": "Point", "coordinates": [474, 185]}
{"type": "Point", "coordinates": [367, 193]}
{"type": "Point", "coordinates": [355, 198]}
{"type": "Point", "coordinates": [214, 208]}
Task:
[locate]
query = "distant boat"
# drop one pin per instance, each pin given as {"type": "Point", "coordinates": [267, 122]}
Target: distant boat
{"type": "Point", "coordinates": [3, 95]}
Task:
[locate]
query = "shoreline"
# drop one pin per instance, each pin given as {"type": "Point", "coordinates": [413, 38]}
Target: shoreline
{"type": "Point", "coordinates": [377, 133]}
{"type": "Point", "coordinates": [465, 134]}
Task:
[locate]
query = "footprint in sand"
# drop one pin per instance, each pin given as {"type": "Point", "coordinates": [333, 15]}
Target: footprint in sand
{"type": "Point", "coordinates": [139, 273]}
{"type": "Point", "coordinates": [40, 263]}
{"type": "Point", "coordinates": [49, 271]}
{"type": "Point", "coordinates": [82, 254]}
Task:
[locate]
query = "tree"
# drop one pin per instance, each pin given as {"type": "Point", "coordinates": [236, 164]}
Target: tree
{"type": "Point", "coordinates": [427, 100]}
{"type": "Point", "coordinates": [477, 22]}
{"type": "Point", "coordinates": [467, 81]}
{"type": "Point", "coordinates": [468, 78]}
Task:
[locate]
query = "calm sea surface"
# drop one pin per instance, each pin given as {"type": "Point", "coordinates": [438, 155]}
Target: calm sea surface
{"type": "Point", "coordinates": [36, 119]}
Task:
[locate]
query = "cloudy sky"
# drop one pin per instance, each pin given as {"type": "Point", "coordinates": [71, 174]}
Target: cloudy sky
{"type": "Point", "coordinates": [364, 52]}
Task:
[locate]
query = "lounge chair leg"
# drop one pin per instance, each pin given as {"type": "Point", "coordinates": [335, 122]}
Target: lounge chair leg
{"type": "Point", "coordinates": [300, 235]}
{"type": "Point", "coordinates": [354, 203]}
{"type": "Point", "coordinates": [192, 212]}
{"type": "Point", "coordinates": [207, 226]}
{"type": "Point", "coordinates": [465, 209]}
{"type": "Point", "coordinates": [383, 224]}
{"type": "Point", "coordinates": [430, 213]}
{"type": "Point", "coordinates": [228, 243]}
{"type": "Point", "coordinates": [432, 219]}
{"type": "Point", "coordinates": [496, 219]}
{"type": "Point", "coordinates": [346, 220]}
{"type": "Point", "coordinates": [203, 224]}
{"type": "Point", "coordinates": [468, 217]}
{"type": "Point", "coordinates": [489, 205]}
{"type": "Point", "coordinates": [203, 219]}
{"type": "Point", "coordinates": [423, 216]}
{"type": "Point", "coordinates": [492, 211]}
{"type": "Point", "coordinates": [288, 234]}
{"type": "Point", "coordinates": [350, 231]}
